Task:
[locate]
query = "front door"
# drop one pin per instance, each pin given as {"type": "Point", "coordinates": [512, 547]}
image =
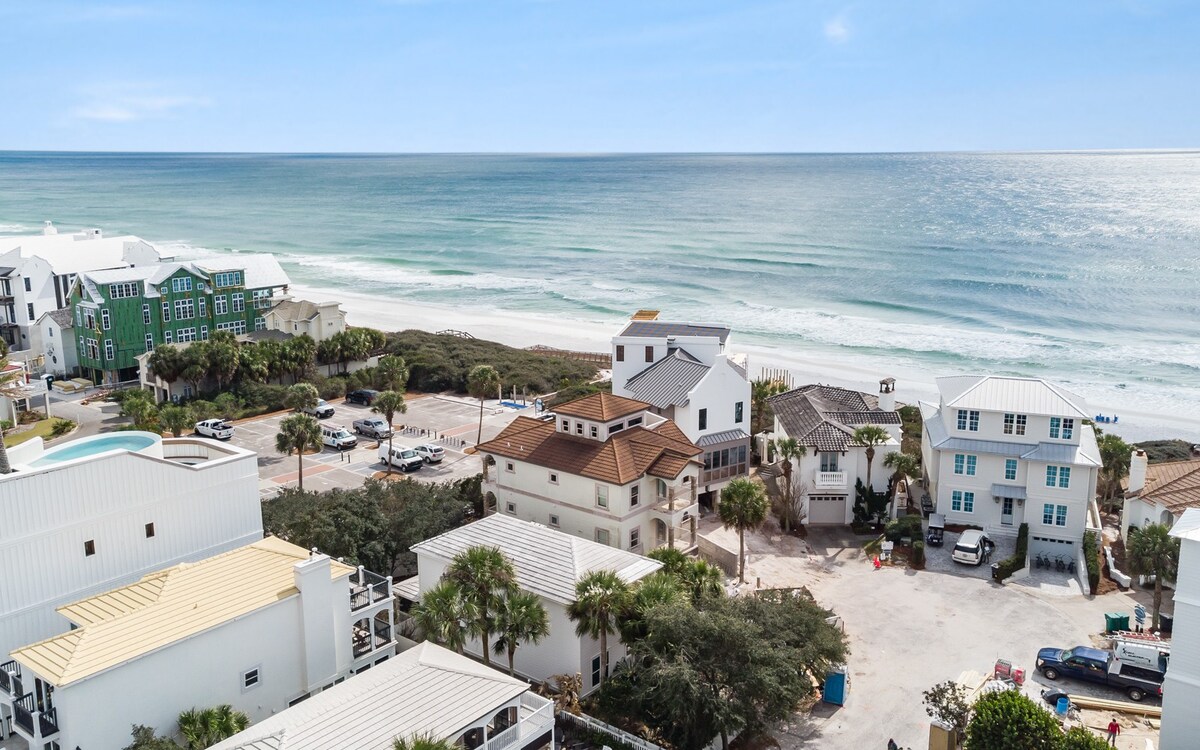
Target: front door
{"type": "Point", "coordinates": [1006, 511]}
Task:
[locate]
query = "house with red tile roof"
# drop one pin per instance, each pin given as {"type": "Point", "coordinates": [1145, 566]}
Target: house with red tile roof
{"type": "Point", "coordinates": [1159, 493]}
{"type": "Point", "coordinates": [606, 469]}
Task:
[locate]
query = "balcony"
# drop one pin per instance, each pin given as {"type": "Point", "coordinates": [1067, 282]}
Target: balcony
{"type": "Point", "coordinates": [25, 712]}
{"type": "Point", "coordinates": [674, 507]}
{"type": "Point", "coordinates": [367, 588]}
{"type": "Point", "coordinates": [365, 641]}
{"type": "Point", "coordinates": [829, 480]}
{"type": "Point", "coordinates": [535, 720]}
{"type": "Point", "coordinates": [10, 678]}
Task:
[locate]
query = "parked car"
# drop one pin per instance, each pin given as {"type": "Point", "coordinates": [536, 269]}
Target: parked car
{"type": "Point", "coordinates": [374, 427]}
{"type": "Point", "coordinates": [1094, 665]}
{"type": "Point", "coordinates": [927, 506]}
{"type": "Point", "coordinates": [973, 548]}
{"type": "Point", "coordinates": [365, 396]}
{"type": "Point", "coordinates": [401, 457]}
{"type": "Point", "coordinates": [430, 453]}
{"type": "Point", "coordinates": [214, 428]}
{"type": "Point", "coordinates": [323, 410]}
{"type": "Point", "coordinates": [337, 437]}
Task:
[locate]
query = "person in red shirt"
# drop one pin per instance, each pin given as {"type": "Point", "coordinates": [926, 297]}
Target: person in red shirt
{"type": "Point", "coordinates": [1113, 730]}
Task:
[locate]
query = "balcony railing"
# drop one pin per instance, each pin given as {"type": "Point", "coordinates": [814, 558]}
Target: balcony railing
{"type": "Point", "coordinates": [24, 711]}
{"type": "Point", "coordinates": [367, 588]}
{"type": "Point", "coordinates": [829, 480]}
{"type": "Point", "coordinates": [535, 718]}
{"type": "Point", "coordinates": [10, 678]}
{"type": "Point", "coordinates": [365, 643]}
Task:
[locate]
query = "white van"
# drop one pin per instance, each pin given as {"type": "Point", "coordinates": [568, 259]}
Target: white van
{"type": "Point", "coordinates": [337, 437]}
{"type": "Point", "coordinates": [972, 548]}
{"type": "Point", "coordinates": [401, 457]}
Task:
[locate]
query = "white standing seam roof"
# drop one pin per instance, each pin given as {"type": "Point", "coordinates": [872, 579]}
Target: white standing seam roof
{"type": "Point", "coordinates": [548, 562]}
{"type": "Point", "coordinates": [1013, 394]}
{"type": "Point", "coordinates": [73, 253]}
{"type": "Point", "coordinates": [259, 272]}
{"type": "Point", "coordinates": [425, 691]}
{"type": "Point", "coordinates": [668, 381]}
{"type": "Point", "coordinates": [1188, 525]}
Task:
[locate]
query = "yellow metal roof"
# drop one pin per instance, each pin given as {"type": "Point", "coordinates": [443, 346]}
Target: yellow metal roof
{"type": "Point", "coordinates": [167, 606]}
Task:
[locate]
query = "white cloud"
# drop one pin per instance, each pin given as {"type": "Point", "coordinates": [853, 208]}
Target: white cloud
{"type": "Point", "coordinates": [109, 105]}
{"type": "Point", "coordinates": [836, 29]}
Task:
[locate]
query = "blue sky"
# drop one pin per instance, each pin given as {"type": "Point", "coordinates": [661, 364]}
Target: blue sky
{"type": "Point", "coordinates": [557, 75]}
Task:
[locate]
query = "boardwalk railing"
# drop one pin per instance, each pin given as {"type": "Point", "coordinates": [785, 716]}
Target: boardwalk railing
{"type": "Point", "coordinates": [603, 359]}
{"type": "Point", "coordinates": [584, 721]}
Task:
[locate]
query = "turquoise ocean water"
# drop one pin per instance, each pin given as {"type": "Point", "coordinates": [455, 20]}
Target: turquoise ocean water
{"type": "Point", "coordinates": [1083, 267]}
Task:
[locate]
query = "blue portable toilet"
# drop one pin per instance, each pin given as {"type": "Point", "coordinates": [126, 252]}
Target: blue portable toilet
{"type": "Point", "coordinates": [837, 686]}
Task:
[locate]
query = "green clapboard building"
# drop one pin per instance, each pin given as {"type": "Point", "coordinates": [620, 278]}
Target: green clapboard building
{"type": "Point", "coordinates": [122, 313]}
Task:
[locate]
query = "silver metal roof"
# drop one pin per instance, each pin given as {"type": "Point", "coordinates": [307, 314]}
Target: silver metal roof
{"type": "Point", "coordinates": [548, 562]}
{"type": "Point", "coordinates": [1064, 453]}
{"type": "Point", "coordinates": [1014, 450]}
{"type": "Point", "coordinates": [426, 690]}
{"type": "Point", "coordinates": [668, 381]}
{"type": "Point", "coordinates": [1008, 490]}
{"type": "Point", "coordinates": [1011, 394]}
{"type": "Point", "coordinates": [728, 436]}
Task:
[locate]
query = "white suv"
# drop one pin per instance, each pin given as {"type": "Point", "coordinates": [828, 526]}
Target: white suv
{"type": "Point", "coordinates": [432, 454]}
{"type": "Point", "coordinates": [323, 410]}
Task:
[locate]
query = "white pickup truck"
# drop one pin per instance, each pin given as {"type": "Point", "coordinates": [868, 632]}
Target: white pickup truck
{"type": "Point", "coordinates": [214, 428]}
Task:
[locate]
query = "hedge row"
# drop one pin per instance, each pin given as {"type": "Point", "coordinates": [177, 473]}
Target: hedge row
{"type": "Point", "coordinates": [1091, 554]}
{"type": "Point", "coordinates": [1012, 564]}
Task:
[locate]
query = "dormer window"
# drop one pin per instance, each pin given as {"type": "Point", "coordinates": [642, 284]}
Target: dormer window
{"type": "Point", "coordinates": [579, 428]}
{"type": "Point", "coordinates": [595, 432]}
{"type": "Point", "coordinates": [566, 425]}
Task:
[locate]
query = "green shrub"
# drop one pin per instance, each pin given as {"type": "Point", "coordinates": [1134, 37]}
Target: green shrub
{"type": "Point", "coordinates": [1091, 554]}
{"type": "Point", "coordinates": [904, 526]}
{"type": "Point", "coordinates": [330, 387]}
{"type": "Point", "coordinates": [1012, 564]}
{"type": "Point", "coordinates": [61, 427]}
{"type": "Point", "coordinates": [6, 425]}
{"type": "Point", "coordinates": [262, 397]}
{"type": "Point", "coordinates": [918, 554]}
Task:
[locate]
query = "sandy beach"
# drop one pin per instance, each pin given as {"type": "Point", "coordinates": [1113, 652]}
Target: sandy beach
{"type": "Point", "coordinates": [522, 330]}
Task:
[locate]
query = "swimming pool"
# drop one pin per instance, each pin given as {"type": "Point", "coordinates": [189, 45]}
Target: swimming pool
{"type": "Point", "coordinates": [129, 441]}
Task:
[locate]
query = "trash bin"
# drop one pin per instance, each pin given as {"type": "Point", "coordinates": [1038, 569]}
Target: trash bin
{"type": "Point", "coordinates": [1165, 622]}
{"type": "Point", "coordinates": [1114, 621]}
{"type": "Point", "coordinates": [1063, 705]}
{"type": "Point", "coordinates": [996, 571]}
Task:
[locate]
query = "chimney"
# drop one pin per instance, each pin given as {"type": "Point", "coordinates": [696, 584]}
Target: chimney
{"type": "Point", "coordinates": [48, 228]}
{"type": "Point", "coordinates": [887, 394]}
{"type": "Point", "coordinates": [1137, 470]}
{"type": "Point", "coordinates": [312, 578]}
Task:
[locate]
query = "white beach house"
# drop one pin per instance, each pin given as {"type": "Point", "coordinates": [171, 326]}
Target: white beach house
{"type": "Point", "coordinates": [1181, 688]}
{"type": "Point", "coordinates": [318, 320]}
{"type": "Point", "coordinates": [1159, 493]}
{"type": "Point", "coordinates": [37, 271]}
{"type": "Point", "coordinates": [259, 627]}
{"type": "Point", "coordinates": [999, 451]}
{"type": "Point", "coordinates": [426, 691]}
{"type": "Point", "coordinates": [822, 419]}
{"type": "Point", "coordinates": [548, 563]}
{"type": "Point", "coordinates": [91, 514]}
{"type": "Point", "coordinates": [56, 331]}
{"type": "Point", "coordinates": [606, 469]}
{"type": "Point", "coordinates": [685, 372]}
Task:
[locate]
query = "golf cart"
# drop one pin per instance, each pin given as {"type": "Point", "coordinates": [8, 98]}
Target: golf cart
{"type": "Point", "coordinates": [937, 527]}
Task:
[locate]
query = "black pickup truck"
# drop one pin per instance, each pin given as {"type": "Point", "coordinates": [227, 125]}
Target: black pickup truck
{"type": "Point", "coordinates": [1094, 665]}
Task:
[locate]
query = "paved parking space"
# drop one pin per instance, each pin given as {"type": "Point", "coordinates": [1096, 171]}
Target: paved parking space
{"type": "Point", "coordinates": [450, 422]}
{"type": "Point", "coordinates": [938, 559]}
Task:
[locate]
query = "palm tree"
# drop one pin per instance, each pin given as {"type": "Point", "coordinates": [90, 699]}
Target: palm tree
{"type": "Point", "coordinates": [1152, 552]}
{"type": "Point", "coordinates": [870, 435]}
{"type": "Point", "coordinates": [1115, 457]}
{"type": "Point", "coordinates": [443, 615]}
{"type": "Point", "coordinates": [482, 381]}
{"type": "Point", "coordinates": [9, 388]}
{"type": "Point", "coordinates": [655, 589]}
{"type": "Point", "coordinates": [422, 742]}
{"type": "Point", "coordinates": [600, 597]}
{"type": "Point", "coordinates": [519, 618]}
{"type": "Point", "coordinates": [760, 391]}
{"type": "Point", "coordinates": [903, 466]}
{"type": "Point", "coordinates": [743, 506]}
{"type": "Point", "coordinates": [298, 433]}
{"type": "Point", "coordinates": [388, 404]}
{"type": "Point", "coordinates": [788, 450]}
{"type": "Point", "coordinates": [705, 580]}
{"type": "Point", "coordinates": [392, 373]}
{"type": "Point", "coordinates": [301, 396]}
{"type": "Point", "coordinates": [166, 364]}
{"type": "Point", "coordinates": [175, 418]}
{"type": "Point", "coordinates": [673, 561]}
{"type": "Point", "coordinates": [484, 576]}
{"type": "Point", "coordinates": [203, 728]}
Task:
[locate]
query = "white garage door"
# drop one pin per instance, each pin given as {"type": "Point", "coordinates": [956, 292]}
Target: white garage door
{"type": "Point", "coordinates": [826, 509]}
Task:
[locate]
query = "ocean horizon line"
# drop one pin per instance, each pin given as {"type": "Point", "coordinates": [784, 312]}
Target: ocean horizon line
{"type": "Point", "coordinates": [611, 154]}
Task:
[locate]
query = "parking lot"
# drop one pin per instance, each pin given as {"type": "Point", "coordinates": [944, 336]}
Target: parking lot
{"type": "Point", "coordinates": [446, 421]}
{"type": "Point", "coordinates": [909, 630]}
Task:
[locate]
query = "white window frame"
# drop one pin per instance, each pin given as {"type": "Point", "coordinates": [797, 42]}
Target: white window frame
{"type": "Point", "coordinates": [220, 305]}
{"type": "Point", "coordinates": [635, 538]}
{"type": "Point", "coordinates": [146, 319]}
{"type": "Point", "coordinates": [167, 337]}
{"type": "Point", "coordinates": [109, 350]}
{"type": "Point", "coordinates": [635, 493]}
{"type": "Point", "coordinates": [553, 477]}
{"type": "Point", "coordinates": [602, 496]}
{"type": "Point", "coordinates": [254, 673]}
{"type": "Point", "coordinates": [603, 536]}
{"type": "Point", "coordinates": [166, 307]}
{"type": "Point", "coordinates": [1010, 462]}
{"type": "Point", "coordinates": [238, 301]}
{"type": "Point", "coordinates": [149, 342]}
{"type": "Point", "coordinates": [204, 333]}
{"type": "Point", "coordinates": [553, 521]}
{"type": "Point", "coordinates": [510, 467]}
{"type": "Point", "coordinates": [202, 304]}
{"type": "Point", "coordinates": [510, 507]}
{"type": "Point", "coordinates": [105, 319]}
